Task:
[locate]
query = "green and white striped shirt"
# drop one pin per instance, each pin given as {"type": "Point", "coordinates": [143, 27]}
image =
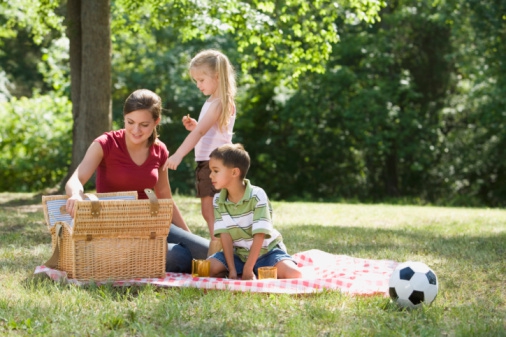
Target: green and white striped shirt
{"type": "Point", "coordinates": [250, 216]}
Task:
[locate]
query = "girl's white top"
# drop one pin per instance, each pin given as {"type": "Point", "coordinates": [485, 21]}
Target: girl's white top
{"type": "Point", "coordinates": [213, 137]}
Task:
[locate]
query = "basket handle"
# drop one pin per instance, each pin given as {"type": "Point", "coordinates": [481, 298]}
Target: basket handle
{"type": "Point", "coordinates": [95, 205]}
{"type": "Point", "coordinates": [155, 206]}
{"type": "Point", "coordinates": [53, 260]}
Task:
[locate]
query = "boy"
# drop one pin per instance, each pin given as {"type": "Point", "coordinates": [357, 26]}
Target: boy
{"type": "Point", "coordinates": [243, 221]}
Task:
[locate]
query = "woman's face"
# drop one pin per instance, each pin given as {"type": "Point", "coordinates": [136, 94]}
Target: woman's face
{"type": "Point", "coordinates": [139, 126]}
{"type": "Point", "coordinates": [206, 82]}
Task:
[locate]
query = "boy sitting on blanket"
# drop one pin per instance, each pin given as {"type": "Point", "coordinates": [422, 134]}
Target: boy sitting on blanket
{"type": "Point", "coordinates": [243, 221]}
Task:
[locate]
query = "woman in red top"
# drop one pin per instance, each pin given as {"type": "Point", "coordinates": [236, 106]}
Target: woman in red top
{"type": "Point", "coordinates": [131, 159]}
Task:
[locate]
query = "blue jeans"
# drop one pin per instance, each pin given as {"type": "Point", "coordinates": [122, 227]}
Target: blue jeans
{"type": "Point", "coordinates": [182, 247]}
{"type": "Point", "coordinates": [269, 259]}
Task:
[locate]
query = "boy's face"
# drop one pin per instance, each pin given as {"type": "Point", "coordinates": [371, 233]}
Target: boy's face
{"type": "Point", "coordinates": [221, 175]}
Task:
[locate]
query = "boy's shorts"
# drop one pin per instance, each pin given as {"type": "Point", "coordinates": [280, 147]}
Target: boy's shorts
{"type": "Point", "coordinates": [269, 259]}
{"type": "Point", "coordinates": [203, 182]}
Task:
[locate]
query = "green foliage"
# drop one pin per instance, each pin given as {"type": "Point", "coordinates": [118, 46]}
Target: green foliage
{"type": "Point", "coordinates": [293, 37]}
{"type": "Point", "coordinates": [35, 142]}
{"type": "Point", "coordinates": [357, 99]}
{"type": "Point", "coordinates": [30, 32]}
{"type": "Point", "coordinates": [39, 17]}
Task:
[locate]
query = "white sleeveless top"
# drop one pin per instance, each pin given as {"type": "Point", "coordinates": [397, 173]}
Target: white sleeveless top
{"type": "Point", "coordinates": [213, 137]}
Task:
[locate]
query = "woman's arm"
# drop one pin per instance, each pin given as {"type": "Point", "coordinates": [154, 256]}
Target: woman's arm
{"type": "Point", "coordinates": [74, 187]}
{"type": "Point", "coordinates": [193, 138]}
{"type": "Point", "coordinates": [163, 191]}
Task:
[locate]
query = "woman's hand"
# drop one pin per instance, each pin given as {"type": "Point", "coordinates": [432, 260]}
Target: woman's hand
{"type": "Point", "coordinates": [70, 205]}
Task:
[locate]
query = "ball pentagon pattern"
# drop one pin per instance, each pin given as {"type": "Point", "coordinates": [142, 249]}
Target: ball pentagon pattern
{"type": "Point", "coordinates": [413, 284]}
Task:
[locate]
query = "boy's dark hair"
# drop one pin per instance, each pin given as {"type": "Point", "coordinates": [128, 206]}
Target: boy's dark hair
{"type": "Point", "coordinates": [233, 155]}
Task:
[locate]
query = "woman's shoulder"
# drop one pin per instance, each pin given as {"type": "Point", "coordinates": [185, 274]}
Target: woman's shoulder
{"type": "Point", "coordinates": [109, 136]}
{"type": "Point", "coordinates": [113, 134]}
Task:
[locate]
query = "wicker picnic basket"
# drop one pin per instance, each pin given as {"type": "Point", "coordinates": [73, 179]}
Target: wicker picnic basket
{"type": "Point", "coordinates": [113, 236]}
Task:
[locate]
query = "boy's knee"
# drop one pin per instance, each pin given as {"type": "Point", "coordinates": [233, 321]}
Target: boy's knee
{"type": "Point", "coordinates": [217, 269]}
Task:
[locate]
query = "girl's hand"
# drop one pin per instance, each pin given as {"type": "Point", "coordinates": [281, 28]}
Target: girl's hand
{"type": "Point", "coordinates": [172, 162]}
{"type": "Point", "coordinates": [189, 123]}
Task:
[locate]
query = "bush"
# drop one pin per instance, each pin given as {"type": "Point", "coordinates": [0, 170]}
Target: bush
{"type": "Point", "coordinates": [35, 142]}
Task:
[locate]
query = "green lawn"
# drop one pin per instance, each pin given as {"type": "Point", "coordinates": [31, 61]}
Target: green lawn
{"type": "Point", "coordinates": [465, 247]}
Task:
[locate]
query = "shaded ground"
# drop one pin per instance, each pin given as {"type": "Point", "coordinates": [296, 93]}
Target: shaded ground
{"type": "Point", "coordinates": [21, 202]}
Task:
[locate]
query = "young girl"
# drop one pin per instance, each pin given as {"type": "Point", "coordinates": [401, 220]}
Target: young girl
{"type": "Point", "coordinates": [215, 77]}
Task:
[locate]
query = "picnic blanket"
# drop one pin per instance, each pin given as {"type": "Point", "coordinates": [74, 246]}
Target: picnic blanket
{"type": "Point", "coordinates": [320, 270]}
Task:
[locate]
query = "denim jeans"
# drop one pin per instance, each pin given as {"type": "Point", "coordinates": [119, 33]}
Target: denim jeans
{"type": "Point", "coordinates": [184, 246]}
{"type": "Point", "coordinates": [269, 259]}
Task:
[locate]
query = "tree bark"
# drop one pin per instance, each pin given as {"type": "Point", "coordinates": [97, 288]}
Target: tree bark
{"type": "Point", "coordinates": [89, 33]}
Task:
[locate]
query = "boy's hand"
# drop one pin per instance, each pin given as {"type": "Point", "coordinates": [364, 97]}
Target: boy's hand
{"type": "Point", "coordinates": [189, 123]}
{"type": "Point", "coordinates": [248, 275]}
{"type": "Point", "coordinates": [232, 274]}
{"type": "Point", "coordinates": [172, 162]}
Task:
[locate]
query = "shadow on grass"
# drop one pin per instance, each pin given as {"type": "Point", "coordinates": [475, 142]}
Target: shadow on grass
{"type": "Point", "coordinates": [352, 241]}
{"type": "Point", "coordinates": [22, 199]}
{"type": "Point", "coordinates": [395, 244]}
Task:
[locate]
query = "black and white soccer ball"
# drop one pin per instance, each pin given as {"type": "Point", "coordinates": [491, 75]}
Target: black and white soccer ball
{"type": "Point", "coordinates": [413, 284]}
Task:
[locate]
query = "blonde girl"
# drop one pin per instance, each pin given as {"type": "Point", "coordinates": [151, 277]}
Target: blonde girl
{"type": "Point", "coordinates": [214, 76]}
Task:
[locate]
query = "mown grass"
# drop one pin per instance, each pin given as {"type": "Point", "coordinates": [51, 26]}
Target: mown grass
{"type": "Point", "coordinates": [465, 247]}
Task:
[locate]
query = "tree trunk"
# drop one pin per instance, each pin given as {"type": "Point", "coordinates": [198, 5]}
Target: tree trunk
{"type": "Point", "coordinates": [89, 32]}
{"type": "Point", "coordinates": [391, 176]}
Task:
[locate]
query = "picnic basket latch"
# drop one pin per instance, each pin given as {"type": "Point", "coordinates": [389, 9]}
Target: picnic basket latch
{"type": "Point", "coordinates": [95, 204]}
{"type": "Point", "coordinates": [155, 206]}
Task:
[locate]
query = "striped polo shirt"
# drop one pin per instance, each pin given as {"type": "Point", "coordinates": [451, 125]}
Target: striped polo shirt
{"type": "Point", "coordinates": [250, 216]}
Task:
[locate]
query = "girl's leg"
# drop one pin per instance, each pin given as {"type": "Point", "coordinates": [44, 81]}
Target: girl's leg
{"type": "Point", "coordinates": [208, 214]}
{"type": "Point", "coordinates": [206, 205]}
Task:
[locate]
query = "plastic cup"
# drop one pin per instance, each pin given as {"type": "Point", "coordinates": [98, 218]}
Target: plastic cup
{"type": "Point", "coordinates": [267, 273]}
{"type": "Point", "coordinates": [201, 268]}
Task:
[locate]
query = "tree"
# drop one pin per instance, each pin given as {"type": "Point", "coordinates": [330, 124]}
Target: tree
{"type": "Point", "coordinates": [89, 32]}
{"type": "Point", "coordinates": [303, 30]}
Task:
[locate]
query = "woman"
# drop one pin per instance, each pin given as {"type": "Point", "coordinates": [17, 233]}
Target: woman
{"type": "Point", "coordinates": [131, 159]}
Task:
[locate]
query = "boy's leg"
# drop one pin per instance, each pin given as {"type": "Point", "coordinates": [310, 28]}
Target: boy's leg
{"type": "Point", "coordinates": [288, 269]}
{"type": "Point", "coordinates": [217, 268]}
{"type": "Point", "coordinates": [286, 266]}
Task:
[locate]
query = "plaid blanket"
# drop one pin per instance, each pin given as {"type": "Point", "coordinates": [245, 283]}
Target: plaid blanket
{"type": "Point", "coordinates": [320, 270]}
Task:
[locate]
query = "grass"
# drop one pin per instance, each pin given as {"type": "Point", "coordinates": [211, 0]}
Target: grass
{"type": "Point", "coordinates": [465, 247]}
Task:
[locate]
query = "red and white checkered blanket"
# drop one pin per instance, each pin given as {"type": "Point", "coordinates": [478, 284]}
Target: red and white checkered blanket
{"type": "Point", "coordinates": [320, 271]}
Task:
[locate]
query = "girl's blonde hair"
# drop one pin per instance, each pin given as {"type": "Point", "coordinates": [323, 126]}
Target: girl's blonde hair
{"type": "Point", "coordinates": [219, 64]}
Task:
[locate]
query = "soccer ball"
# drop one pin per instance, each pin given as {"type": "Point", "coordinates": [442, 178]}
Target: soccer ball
{"type": "Point", "coordinates": [413, 283]}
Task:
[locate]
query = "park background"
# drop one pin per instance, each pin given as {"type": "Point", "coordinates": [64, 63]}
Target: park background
{"type": "Point", "coordinates": [345, 108]}
{"type": "Point", "coordinates": [366, 101]}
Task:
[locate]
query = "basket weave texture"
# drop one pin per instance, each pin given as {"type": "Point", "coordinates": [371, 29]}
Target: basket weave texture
{"type": "Point", "coordinates": [115, 238]}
